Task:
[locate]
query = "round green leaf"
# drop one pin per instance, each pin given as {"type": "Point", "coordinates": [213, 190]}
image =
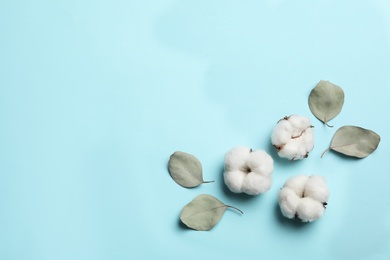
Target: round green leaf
{"type": "Point", "coordinates": [326, 101]}
{"type": "Point", "coordinates": [354, 141]}
{"type": "Point", "coordinates": [185, 169]}
{"type": "Point", "coordinates": [203, 212]}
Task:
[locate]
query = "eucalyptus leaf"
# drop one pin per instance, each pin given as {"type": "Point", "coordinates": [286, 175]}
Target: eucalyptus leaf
{"type": "Point", "coordinates": [203, 212]}
{"type": "Point", "coordinates": [326, 101]}
{"type": "Point", "coordinates": [185, 169]}
{"type": "Point", "coordinates": [354, 141]}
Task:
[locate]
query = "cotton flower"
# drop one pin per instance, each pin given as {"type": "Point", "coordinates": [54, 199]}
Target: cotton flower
{"type": "Point", "coordinates": [304, 197]}
{"type": "Point", "coordinates": [293, 137]}
{"type": "Point", "coordinates": [248, 171]}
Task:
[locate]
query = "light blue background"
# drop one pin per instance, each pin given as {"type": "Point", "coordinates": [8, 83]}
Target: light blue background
{"type": "Point", "coordinates": [96, 95]}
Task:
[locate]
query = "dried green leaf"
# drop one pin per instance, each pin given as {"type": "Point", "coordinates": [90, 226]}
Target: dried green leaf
{"type": "Point", "coordinates": [203, 212]}
{"type": "Point", "coordinates": [354, 141]}
{"type": "Point", "coordinates": [185, 169]}
{"type": "Point", "coordinates": [326, 101]}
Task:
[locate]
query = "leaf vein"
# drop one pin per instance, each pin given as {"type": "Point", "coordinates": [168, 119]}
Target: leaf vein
{"type": "Point", "coordinates": [205, 211]}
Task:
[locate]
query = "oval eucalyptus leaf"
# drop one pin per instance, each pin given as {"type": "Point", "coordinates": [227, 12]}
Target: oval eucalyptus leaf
{"type": "Point", "coordinates": [354, 141]}
{"type": "Point", "coordinates": [203, 212]}
{"type": "Point", "coordinates": [185, 169]}
{"type": "Point", "coordinates": [326, 101]}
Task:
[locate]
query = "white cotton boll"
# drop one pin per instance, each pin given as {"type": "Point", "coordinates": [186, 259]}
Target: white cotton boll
{"type": "Point", "coordinates": [284, 193]}
{"type": "Point", "coordinates": [280, 137]}
{"type": "Point", "coordinates": [265, 169]}
{"type": "Point", "coordinates": [308, 139]}
{"type": "Point", "coordinates": [285, 125]}
{"type": "Point", "coordinates": [236, 158]}
{"type": "Point", "coordinates": [316, 188]}
{"type": "Point", "coordinates": [261, 162]}
{"type": "Point", "coordinates": [310, 209]}
{"type": "Point", "coordinates": [289, 151]}
{"type": "Point", "coordinates": [248, 171]}
{"type": "Point", "coordinates": [255, 184]}
{"type": "Point", "coordinates": [296, 142]}
{"type": "Point", "coordinates": [288, 202]}
{"type": "Point", "coordinates": [282, 132]}
{"type": "Point", "coordinates": [309, 134]}
{"type": "Point", "coordinates": [234, 180]}
{"type": "Point", "coordinates": [297, 184]}
{"type": "Point", "coordinates": [255, 158]}
{"type": "Point", "coordinates": [301, 149]}
{"type": "Point", "coordinates": [304, 197]}
{"type": "Point", "coordinates": [299, 122]}
{"type": "Point", "coordinates": [297, 132]}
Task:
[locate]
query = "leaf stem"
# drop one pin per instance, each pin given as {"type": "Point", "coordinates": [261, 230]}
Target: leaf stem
{"type": "Point", "coordinates": [325, 151]}
{"type": "Point", "coordinates": [328, 125]}
{"type": "Point", "coordinates": [207, 181]}
{"type": "Point", "coordinates": [239, 210]}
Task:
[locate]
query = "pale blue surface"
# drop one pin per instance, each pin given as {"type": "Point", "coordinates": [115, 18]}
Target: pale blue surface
{"type": "Point", "coordinates": [96, 95]}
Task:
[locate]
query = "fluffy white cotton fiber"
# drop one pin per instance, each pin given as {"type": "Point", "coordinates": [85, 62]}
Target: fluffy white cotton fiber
{"type": "Point", "coordinates": [288, 202]}
{"type": "Point", "coordinates": [248, 171]}
{"type": "Point", "coordinates": [293, 137]}
{"type": "Point", "coordinates": [316, 188]}
{"type": "Point", "coordinates": [297, 184]}
{"type": "Point", "coordinates": [304, 197]}
{"type": "Point", "coordinates": [309, 209]}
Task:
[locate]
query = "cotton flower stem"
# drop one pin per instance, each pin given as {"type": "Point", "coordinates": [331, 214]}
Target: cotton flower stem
{"type": "Point", "coordinates": [239, 210]}
{"type": "Point", "coordinates": [284, 118]}
{"type": "Point", "coordinates": [294, 137]}
{"type": "Point", "coordinates": [279, 147]}
{"type": "Point", "coordinates": [325, 151]}
{"type": "Point", "coordinates": [207, 181]}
